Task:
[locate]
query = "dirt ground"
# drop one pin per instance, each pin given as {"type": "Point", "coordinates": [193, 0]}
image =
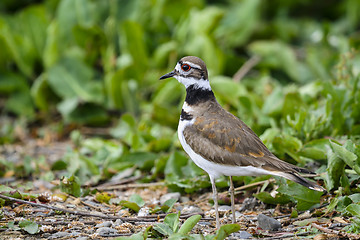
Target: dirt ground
{"type": "Point", "coordinates": [61, 216]}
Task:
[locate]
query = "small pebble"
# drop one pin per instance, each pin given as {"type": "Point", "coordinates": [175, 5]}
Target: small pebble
{"type": "Point", "coordinates": [104, 224]}
{"type": "Point", "coordinates": [240, 235]}
{"type": "Point", "coordinates": [165, 197]}
{"type": "Point", "coordinates": [204, 223]}
{"type": "Point", "coordinates": [115, 201]}
{"type": "Point", "coordinates": [179, 208]}
{"type": "Point", "coordinates": [70, 206]}
{"type": "Point", "coordinates": [268, 223]}
{"type": "Point", "coordinates": [224, 208]}
{"type": "Point", "coordinates": [248, 204]}
{"type": "Point", "coordinates": [81, 238]}
{"type": "Point", "coordinates": [118, 222]}
{"type": "Point", "coordinates": [144, 211]}
{"type": "Point", "coordinates": [60, 235]}
{"type": "Point", "coordinates": [106, 231]}
{"type": "Point", "coordinates": [191, 209]}
{"type": "Point", "coordinates": [238, 214]}
{"type": "Point", "coordinates": [184, 199]}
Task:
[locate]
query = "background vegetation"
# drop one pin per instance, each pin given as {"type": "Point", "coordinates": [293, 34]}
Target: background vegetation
{"type": "Point", "coordinates": [67, 65]}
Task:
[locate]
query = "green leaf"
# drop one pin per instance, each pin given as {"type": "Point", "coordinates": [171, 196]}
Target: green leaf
{"type": "Point", "coordinates": [132, 44]}
{"type": "Point", "coordinates": [227, 89]}
{"type": "Point", "coordinates": [136, 236]}
{"type": "Point", "coordinates": [189, 224]}
{"type": "Point", "coordinates": [354, 209]}
{"type": "Point", "coordinates": [277, 54]}
{"type": "Point", "coordinates": [71, 186]}
{"type": "Point", "coordinates": [172, 220]}
{"type": "Point", "coordinates": [173, 166]}
{"type": "Point", "coordinates": [144, 160]}
{"type": "Point", "coordinates": [21, 104]}
{"type": "Point", "coordinates": [292, 103]}
{"type": "Point", "coordinates": [342, 203]}
{"type": "Point", "coordinates": [137, 199]}
{"type": "Point", "coordinates": [52, 48]}
{"type": "Point", "coordinates": [335, 170]}
{"type": "Point", "coordinates": [306, 198]}
{"type": "Point", "coordinates": [355, 197]}
{"type": "Point", "coordinates": [103, 197]}
{"type": "Point", "coordinates": [11, 225]}
{"type": "Point", "coordinates": [73, 111]}
{"type": "Point", "coordinates": [246, 14]}
{"type": "Point", "coordinates": [267, 198]}
{"type": "Point", "coordinates": [131, 205]}
{"type": "Point", "coordinates": [41, 93]}
{"type": "Point", "coordinates": [36, 24]}
{"type": "Point", "coordinates": [226, 230]}
{"type": "Point", "coordinates": [71, 78]}
{"type": "Point", "coordinates": [348, 157]}
{"type": "Point", "coordinates": [29, 226]}
{"type": "Point", "coordinates": [168, 204]}
{"type": "Point", "coordinates": [274, 103]}
{"type": "Point", "coordinates": [287, 144]}
{"type": "Point", "coordinates": [163, 229]}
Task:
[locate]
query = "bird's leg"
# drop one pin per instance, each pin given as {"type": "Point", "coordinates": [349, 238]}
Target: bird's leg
{"type": "Point", "coordinates": [231, 190]}
{"type": "Point", "coordinates": [215, 198]}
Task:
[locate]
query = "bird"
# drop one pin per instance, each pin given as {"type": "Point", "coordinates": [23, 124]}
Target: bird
{"type": "Point", "coordinates": [219, 142]}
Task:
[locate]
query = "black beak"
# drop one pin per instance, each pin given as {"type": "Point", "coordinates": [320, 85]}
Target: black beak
{"type": "Point", "coordinates": [168, 75]}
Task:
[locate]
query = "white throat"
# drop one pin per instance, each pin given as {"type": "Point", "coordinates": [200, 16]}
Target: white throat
{"type": "Point", "coordinates": [197, 83]}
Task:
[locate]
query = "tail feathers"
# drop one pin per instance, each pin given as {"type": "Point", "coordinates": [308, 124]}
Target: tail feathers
{"type": "Point", "coordinates": [304, 170]}
{"type": "Point", "coordinates": [298, 179]}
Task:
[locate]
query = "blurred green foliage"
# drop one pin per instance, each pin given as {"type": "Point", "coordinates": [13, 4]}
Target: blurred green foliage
{"type": "Point", "coordinates": [97, 63]}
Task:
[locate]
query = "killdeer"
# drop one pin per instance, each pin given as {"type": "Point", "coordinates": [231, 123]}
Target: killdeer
{"type": "Point", "coordinates": [220, 143]}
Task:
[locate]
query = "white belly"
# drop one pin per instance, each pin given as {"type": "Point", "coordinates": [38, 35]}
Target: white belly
{"type": "Point", "coordinates": [215, 170]}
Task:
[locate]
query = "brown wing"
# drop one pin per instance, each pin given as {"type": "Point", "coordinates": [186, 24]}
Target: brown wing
{"type": "Point", "coordinates": [222, 138]}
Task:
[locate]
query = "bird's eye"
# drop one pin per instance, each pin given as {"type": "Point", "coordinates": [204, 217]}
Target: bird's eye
{"type": "Point", "coordinates": [185, 67]}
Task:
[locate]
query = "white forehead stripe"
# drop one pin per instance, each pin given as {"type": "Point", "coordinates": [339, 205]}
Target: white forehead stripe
{"type": "Point", "coordinates": [192, 65]}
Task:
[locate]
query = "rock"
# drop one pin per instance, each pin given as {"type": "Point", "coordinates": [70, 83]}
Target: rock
{"type": "Point", "coordinates": [191, 209]}
{"type": "Point", "coordinates": [238, 214]}
{"type": "Point", "coordinates": [165, 197]}
{"type": "Point", "coordinates": [104, 224]}
{"type": "Point", "coordinates": [70, 205]}
{"type": "Point", "coordinates": [106, 231]}
{"type": "Point", "coordinates": [115, 201]}
{"type": "Point", "coordinates": [248, 204]}
{"type": "Point", "coordinates": [118, 222]}
{"type": "Point", "coordinates": [60, 235]}
{"type": "Point", "coordinates": [179, 208]}
{"type": "Point", "coordinates": [268, 223]}
{"type": "Point", "coordinates": [144, 211]}
{"type": "Point", "coordinates": [240, 235]}
{"type": "Point", "coordinates": [224, 208]}
{"type": "Point", "coordinates": [184, 199]}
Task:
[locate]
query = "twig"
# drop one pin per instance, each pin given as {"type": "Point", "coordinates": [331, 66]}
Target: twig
{"type": "Point", "coordinates": [95, 131]}
{"type": "Point", "coordinates": [290, 235]}
{"type": "Point", "coordinates": [339, 233]}
{"type": "Point", "coordinates": [61, 209]}
{"type": "Point", "coordinates": [111, 184]}
{"type": "Point", "coordinates": [251, 185]}
{"type": "Point", "coordinates": [86, 204]}
{"type": "Point", "coordinates": [131, 185]}
{"type": "Point", "coordinates": [246, 67]}
{"type": "Point", "coordinates": [103, 216]}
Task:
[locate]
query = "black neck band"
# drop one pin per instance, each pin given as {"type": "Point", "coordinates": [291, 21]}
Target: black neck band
{"type": "Point", "coordinates": [197, 95]}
